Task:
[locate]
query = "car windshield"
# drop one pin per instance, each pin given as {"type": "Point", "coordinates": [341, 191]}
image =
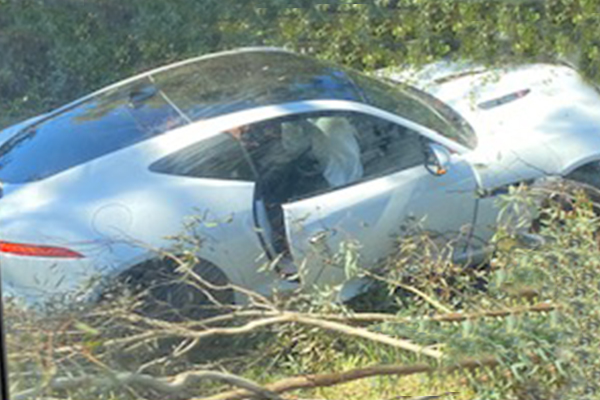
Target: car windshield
{"type": "Point", "coordinates": [417, 106]}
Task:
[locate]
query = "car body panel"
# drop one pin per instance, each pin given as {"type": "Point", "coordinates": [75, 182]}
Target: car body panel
{"type": "Point", "coordinates": [553, 127]}
{"type": "Point", "coordinates": [550, 131]}
{"type": "Point", "coordinates": [125, 223]}
{"type": "Point", "coordinates": [375, 213]}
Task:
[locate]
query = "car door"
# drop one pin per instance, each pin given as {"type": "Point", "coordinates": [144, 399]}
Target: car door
{"type": "Point", "coordinates": [212, 183]}
{"type": "Point", "coordinates": [372, 209]}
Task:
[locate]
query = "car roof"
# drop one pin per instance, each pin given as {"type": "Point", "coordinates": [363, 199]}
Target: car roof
{"type": "Point", "coordinates": [238, 81]}
{"type": "Point", "coordinates": [158, 101]}
{"type": "Point", "coordinates": [192, 60]}
{"type": "Point", "coordinates": [229, 81]}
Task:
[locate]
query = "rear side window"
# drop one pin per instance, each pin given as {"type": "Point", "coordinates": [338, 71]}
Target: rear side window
{"type": "Point", "coordinates": [103, 124]}
{"type": "Point", "coordinates": [218, 157]}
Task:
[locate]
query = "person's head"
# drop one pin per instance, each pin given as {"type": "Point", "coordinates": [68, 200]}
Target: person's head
{"type": "Point", "coordinates": [238, 131]}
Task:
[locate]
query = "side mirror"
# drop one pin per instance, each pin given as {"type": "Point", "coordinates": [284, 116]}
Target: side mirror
{"type": "Point", "coordinates": [437, 159]}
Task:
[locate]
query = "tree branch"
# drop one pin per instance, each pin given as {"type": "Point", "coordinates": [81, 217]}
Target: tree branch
{"type": "Point", "coordinates": [172, 385]}
{"type": "Point", "coordinates": [287, 317]}
{"type": "Point", "coordinates": [365, 334]}
{"type": "Point", "coordinates": [331, 379]}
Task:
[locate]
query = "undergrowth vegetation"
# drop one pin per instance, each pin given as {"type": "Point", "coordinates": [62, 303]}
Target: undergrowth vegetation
{"type": "Point", "coordinates": [522, 326]}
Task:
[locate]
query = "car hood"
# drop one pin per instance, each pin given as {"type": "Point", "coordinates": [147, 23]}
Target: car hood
{"type": "Point", "coordinates": [544, 114]}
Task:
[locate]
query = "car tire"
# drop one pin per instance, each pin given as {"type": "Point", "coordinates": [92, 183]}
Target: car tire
{"type": "Point", "coordinates": [562, 192]}
{"type": "Point", "coordinates": [587, 177]}
{"type": "Point", "coordinates": [168, 294]}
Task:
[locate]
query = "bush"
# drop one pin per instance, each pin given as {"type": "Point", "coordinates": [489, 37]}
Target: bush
{"type": "Point", "coordinates": [524, 327]}
{"type": "Point", "coordinates": [55, 51]}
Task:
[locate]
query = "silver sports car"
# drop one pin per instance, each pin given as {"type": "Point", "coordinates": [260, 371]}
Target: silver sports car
{"type": "Point", "coordinates": [277, 157]}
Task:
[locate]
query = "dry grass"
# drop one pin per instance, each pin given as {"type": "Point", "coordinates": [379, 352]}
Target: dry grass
{"type": "Point", "coordinates": [392, 388]}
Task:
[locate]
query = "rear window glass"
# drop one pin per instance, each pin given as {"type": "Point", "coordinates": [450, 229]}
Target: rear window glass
{"type": "Point", "coordinates": [108, 122]}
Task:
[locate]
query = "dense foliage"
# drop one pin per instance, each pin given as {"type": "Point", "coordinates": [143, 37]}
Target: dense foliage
{"type": "Point", "coordinates": [55, 51]}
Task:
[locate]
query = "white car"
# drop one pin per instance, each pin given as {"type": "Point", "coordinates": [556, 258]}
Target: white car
{"type": "Point", "coordinates": [277, 154]}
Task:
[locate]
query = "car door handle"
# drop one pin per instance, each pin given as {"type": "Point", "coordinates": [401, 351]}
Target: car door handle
{"type": "Point", "coordinates": [321, 236]}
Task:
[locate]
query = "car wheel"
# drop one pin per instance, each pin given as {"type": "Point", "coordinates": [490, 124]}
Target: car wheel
{"type": "Point", "coordinates": [168, 294]}
{"type": "Point", "coordinates": [587, 178]}
{"type": "Point", "coordinates": [563, 192]}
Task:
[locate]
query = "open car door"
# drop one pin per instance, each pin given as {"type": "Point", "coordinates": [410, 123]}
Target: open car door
{"type": "Point", "coordinates": [395, 190]}
{"type": "Point", "coordinates": [374, 213]}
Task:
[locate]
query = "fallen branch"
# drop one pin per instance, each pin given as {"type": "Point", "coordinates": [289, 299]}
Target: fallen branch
{"type": "Point", "coordinates": [346, 319]}
{"type": "Point", "coordinates": [173, 385]}
{"type": "Point", "coordinates": [332, 379]}
{"type": "Point", "coordinates": [436, 304]}
{"type": "Point", "coordinates": [459, 317]}
{"type": "Point", "coordinates": [446, 317]}
{"type": "Point", "coordinates": [365, 334]}
{"type": "Point", "coordinates": [430, 397]}
{"type": "Point", "coordinates": [171, 329]}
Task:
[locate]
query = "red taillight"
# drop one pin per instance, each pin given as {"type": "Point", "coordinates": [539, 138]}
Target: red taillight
{"type": "Point", "coordinates": [31, 250]}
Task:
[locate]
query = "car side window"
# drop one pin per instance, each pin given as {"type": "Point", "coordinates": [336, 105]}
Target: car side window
{"type": "Point", "coordinates": [217, 157]}
{"type": "Point", "coordinates": [305, 154]}
{"type": "Point", "coordinates": [281, 152]}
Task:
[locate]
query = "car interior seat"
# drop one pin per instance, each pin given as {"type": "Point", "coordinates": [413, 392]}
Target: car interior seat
{"type": "Point", "coordinates": [297, 140]}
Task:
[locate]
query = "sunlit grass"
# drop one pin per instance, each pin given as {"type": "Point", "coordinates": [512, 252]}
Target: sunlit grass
{"type": "Point", "coordinates": [398, 387]}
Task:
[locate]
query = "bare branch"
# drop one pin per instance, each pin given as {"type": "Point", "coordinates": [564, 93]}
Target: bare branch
{"type": "Point", "coordinates": [332, 379]}
{"type": "Point", "coordinates": [175, 329]}
{"type": "Point", "coordinates": [365, 334]}
{"type": "Point", "coordinates": [430, 397]}
{"type": "Point", "coordinates": [172, 385]}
